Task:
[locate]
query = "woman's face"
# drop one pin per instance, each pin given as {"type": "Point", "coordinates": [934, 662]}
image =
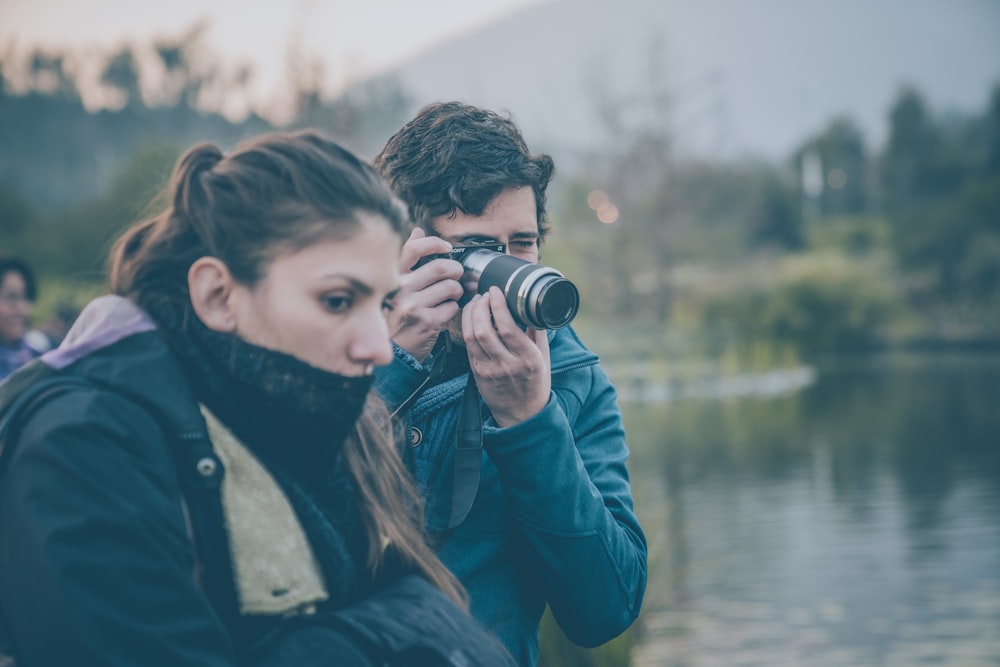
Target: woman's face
{"type": "Point", "coordinates": [326, 304]}
{"type": "Point", "coordinates": [14, 307]}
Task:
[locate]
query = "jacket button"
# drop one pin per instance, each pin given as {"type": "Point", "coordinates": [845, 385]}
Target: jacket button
{"type": "Point", "coordinates": [415, 436]}
{"type": "Point", "coordinates": [206, 466]}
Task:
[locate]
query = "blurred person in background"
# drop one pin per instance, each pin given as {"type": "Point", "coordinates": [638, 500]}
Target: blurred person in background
{"type": "Point", "coordinates": [200, 474]}
{"type": "Point", "coordinates": [551, 520]}
{"type": "Point", "coordinates": [17, 294]}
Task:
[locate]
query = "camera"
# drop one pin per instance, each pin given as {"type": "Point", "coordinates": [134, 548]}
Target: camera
{"type": "Point", "coordinates": [538, 296]}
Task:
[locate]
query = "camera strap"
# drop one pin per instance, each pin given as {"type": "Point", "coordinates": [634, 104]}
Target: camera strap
{"type": "Point", "coordinates": [468, 445]}
{"type": "Point", "coordinates": [468, 454]}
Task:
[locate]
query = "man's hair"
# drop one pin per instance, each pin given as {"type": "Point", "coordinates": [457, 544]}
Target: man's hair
{"type": "Point", "coordinates": [454, 157]}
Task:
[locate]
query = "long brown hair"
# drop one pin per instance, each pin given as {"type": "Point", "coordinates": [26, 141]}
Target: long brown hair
{"type": "Point", "coordinates": [282, 192]}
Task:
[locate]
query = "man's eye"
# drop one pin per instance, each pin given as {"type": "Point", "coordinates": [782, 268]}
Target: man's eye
{"type": "Point", "coordinates": [388, 305]}
{"type": "Point", "coordinates": [337, 303]}
{"type": "Point", "coordinates": [524, 245]}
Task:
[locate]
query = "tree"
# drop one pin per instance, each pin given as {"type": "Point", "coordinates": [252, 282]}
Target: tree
{"type": "Point", "coordinates": [635, 171]}
{"type": "Point", "coordinates": [187, 71]}
{"type": "Point", "coordinates": [16, 217]}
{"type": "Point", "coordinates": [943, 200]}
{"type": "Point", "coordinates": [842, 154]}
{"type": "Point", "coordinates": [122, 75]}
{"type": "Point", "coordinates": [48, 75]}
{"type": "Point", "coordinates": [924, 159]}
{"type": "Point", "coordinates": [991, 122]}
{"type": "Point", "coordinates": [776, 219]}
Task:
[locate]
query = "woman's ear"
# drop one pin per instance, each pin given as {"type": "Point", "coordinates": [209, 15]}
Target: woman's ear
{"type": "Point", "coordinates": [211, 286]}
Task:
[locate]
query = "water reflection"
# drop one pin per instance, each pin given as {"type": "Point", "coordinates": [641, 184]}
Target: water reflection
{"type": "Point", "coordinates": [856, 522]}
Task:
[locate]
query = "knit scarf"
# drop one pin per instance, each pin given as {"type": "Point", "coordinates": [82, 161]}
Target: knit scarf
{"type": "Point", "coordinates": [295, 418]}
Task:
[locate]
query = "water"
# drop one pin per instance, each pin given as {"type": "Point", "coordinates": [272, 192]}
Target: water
{"type": "Point", "coordinates": [854, 522]}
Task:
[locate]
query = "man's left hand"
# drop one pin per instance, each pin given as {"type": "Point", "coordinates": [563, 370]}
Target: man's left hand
{"type": "Point", "coordinates": [511, 366]}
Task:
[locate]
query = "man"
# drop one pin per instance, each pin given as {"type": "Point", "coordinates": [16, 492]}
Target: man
{"type": "Point", "coordinates": [552, 519]}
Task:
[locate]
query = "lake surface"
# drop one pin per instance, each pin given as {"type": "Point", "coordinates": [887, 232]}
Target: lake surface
{"type": "Point", "coordinates": [853, 522]}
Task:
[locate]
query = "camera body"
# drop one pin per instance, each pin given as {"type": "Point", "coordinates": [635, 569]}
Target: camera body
{"type": "Point", "coordinates": [538, 296]}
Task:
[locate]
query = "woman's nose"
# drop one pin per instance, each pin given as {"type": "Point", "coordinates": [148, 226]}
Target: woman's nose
{"type": "Point", "coordinates": [372, 345]}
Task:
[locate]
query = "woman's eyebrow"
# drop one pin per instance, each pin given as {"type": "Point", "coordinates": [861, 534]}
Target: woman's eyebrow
{"type": "Point", "coordinates": [356, 284]}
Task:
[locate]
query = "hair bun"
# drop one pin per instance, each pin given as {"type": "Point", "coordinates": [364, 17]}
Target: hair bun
{"type": "Point", "coordinates": [190, 192]}
{"type": "Point", "coordinates": [202, 157]}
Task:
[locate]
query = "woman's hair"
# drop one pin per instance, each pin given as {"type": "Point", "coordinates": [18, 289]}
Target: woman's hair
{"type": "Point", "coordinates": [281, 193]}
{"type": "Point", "coordinates": [9, 264]}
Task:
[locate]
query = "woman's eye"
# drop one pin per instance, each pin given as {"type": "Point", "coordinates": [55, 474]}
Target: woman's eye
{"type": "Point", "coordinates": [337, 303]}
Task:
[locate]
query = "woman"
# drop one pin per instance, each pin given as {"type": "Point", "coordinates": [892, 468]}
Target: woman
{"type": "Point", "coordinates": [17, 293]}
{"type": "Point", "coordinates": [220, 487]}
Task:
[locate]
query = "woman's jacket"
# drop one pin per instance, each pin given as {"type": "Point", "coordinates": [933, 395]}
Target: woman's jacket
{"type": "Point", "coordinates": [116, 546]}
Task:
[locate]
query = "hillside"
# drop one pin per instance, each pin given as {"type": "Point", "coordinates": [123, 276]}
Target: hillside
{"type": "Point", "coordinates": [746, 77]}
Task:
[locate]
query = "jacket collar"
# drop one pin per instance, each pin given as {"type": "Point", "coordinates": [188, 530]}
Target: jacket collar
{"type": "Point", "coordinates": [116, 344]}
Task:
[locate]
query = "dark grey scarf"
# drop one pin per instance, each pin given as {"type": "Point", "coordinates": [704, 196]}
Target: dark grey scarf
{"type": "Point", "coordinates": [295, 418]}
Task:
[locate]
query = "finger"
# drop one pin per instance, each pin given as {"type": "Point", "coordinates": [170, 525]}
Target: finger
{"type": "Point", "coordinates": [419, 246]}
{"type": "Point", "coordinates": [437, 271]}
{"type": "Point", "coordinates": [475, 315]}
{"type": "Point", "coordinates": [483, 330]}
{"type": "Point", "coordinates": [422, 291]}
{"type": "Point", "coordinates": [503, 319]}
{"type": "Point", "coordinates": [509, 333]}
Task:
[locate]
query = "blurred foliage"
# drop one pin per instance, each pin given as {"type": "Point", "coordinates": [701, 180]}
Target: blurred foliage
{"type": "Point", "coordinates": [74, 244]}
{"type": "Point", "coordinates": [72, 179]}
{"type": "Point", "coordinates": [888, 245]}
{"type": "Point", "coordinates": [826, 306]}
{"type": "Point", "coordinates": [941, 188]}
{"type": "Point", "coordinates": [58, 152]}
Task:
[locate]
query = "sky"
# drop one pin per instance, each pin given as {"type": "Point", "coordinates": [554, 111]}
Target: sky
{"type": "Point", "coordinates": [354, 38]}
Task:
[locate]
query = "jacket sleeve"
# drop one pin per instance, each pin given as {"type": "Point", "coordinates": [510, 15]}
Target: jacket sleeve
{"type": "Point", "coordinates": [565, 478]}
{"type": "Point", "coordinates": [96, 566]}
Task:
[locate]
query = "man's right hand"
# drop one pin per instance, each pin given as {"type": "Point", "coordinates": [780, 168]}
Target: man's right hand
{"type": "Point", "coordinates": [428, 296]}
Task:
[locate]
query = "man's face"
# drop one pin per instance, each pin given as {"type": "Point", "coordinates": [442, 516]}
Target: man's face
{"type": "Point", "coordinates": [510, 218]}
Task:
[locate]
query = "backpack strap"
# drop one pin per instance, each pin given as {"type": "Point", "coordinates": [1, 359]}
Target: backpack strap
{"type": "Point", "coordinates": [10, 421]}
{"type": "Point", "coordinates": [30, 399]}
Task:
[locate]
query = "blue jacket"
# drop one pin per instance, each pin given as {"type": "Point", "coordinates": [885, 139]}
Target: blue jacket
{"type": "Point", "coordinates": [553, 520]}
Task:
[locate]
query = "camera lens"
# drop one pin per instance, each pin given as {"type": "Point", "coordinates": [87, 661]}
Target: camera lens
{"type": "Point", "coordinates": [538, 296]}
{"type": "Point", "coordinates": [556, 303]}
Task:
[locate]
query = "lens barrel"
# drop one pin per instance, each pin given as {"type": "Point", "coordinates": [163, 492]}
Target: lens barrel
{"type": "Point", "coordinates": [538, 296]}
